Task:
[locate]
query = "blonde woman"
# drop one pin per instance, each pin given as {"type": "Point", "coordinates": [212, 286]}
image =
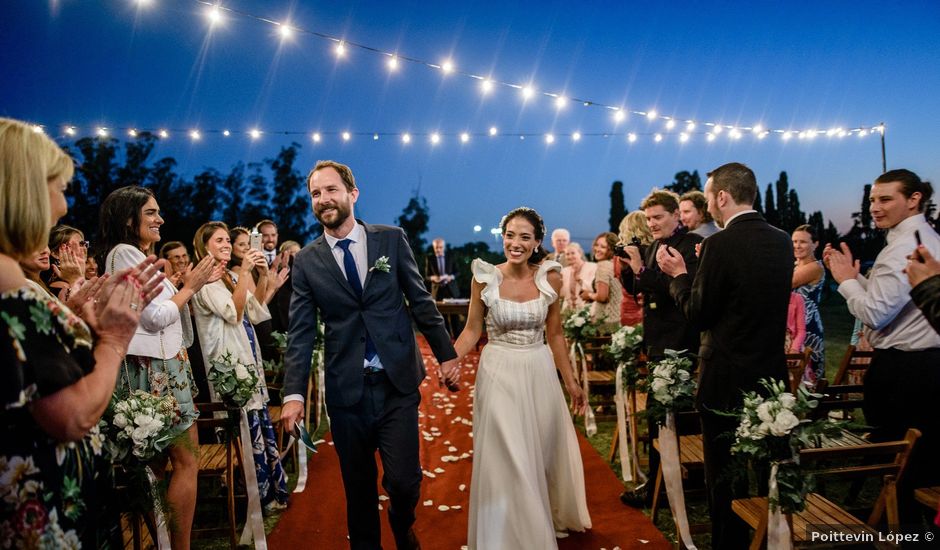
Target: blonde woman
{"type": "Point", "coordinates": [57, 378]}
{"type": "Point", "coordinates": [632, 226]}
{"type": "Point", "coordinates": [577, 277]}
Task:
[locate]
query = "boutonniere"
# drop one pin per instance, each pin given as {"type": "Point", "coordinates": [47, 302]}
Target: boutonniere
{"type": "Point", "coordinates": [381, 265]}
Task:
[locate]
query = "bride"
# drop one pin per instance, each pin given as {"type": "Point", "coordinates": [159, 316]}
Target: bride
{"type": "Point", "coordinates": [528, 481]}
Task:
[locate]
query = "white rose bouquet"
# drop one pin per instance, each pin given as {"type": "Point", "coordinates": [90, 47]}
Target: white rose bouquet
{"type": "Point", "coordinates": [623, 348]}
{"type": "Point", "coordinates": [139, 427]}
{"type": "Point", "coordinates": [235, 382]}
{"type": "Point", "coordinates": [578, 325]}
{"type": "Point", "coordinates": [671, 384]}
{"type": "Point", "coordinates": [774, 429]}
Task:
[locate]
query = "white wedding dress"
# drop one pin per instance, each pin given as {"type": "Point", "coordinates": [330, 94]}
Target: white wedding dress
{"type": "Point", "coordinates": [528, 480]}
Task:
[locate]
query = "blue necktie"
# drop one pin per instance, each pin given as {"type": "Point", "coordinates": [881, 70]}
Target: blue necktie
{"type": "Point", "coordinates": [352, 275]}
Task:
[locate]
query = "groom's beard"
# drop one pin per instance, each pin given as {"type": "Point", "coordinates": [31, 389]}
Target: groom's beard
{"type": "Point", "coordinates": [332, 216]}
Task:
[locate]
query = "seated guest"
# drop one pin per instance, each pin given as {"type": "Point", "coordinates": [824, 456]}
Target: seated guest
{"type": "Point", "coordinates": [577, 276]}
{"type": "Point", "coordinates": [632, 226]}
{"type": "Point", "coordinates": [607, 292]}
{"type": "Point", "coordinates": [225, 314]}
{"type": "Point", "coordinates": [693, 211]}
{"type": "Point", "coordinates": [809, 277]}
{"type": "Point", "coordinates": [57, 378]}
{"type": "Point", "coordinates": [902, 381]}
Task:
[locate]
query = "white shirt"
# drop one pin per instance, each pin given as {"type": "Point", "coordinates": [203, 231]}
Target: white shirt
{"type": "Point", "coordinates": [882, 301]}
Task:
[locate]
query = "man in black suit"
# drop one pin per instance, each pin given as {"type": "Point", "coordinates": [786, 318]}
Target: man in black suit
{"type": "Point", "coordinates": [356, 278]}
{"type": "Point", "coordinates": [440, 270]}
{"type": "Point", "coordinates": [664, 325]}
{"type": "Point", "coordinates": [739, 299]}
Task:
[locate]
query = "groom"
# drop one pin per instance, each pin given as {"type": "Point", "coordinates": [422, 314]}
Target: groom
{"type": "Point", "coordinates": [359, 276]}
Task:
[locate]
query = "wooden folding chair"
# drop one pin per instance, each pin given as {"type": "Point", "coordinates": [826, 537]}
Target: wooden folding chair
{"type": "Point", "coordinates": [853, 366]}
{"type": "Point", "coordinates": [218, 461]}
{"type": "Point", "coordinates": [796, 366]}
{"type": "Point", "coordinates": [886, 460]}
{"type": "Point", "coordinates": [601, 374]}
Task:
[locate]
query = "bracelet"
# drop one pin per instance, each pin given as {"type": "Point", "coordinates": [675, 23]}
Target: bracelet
{"type": "Point", "coordinates": [121, 352]}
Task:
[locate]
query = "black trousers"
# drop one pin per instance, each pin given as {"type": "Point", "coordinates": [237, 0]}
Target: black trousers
{"type": "Point", "coordinates": [729, 532]}
{"type": "Point", "coordinates": [387, 420]}
{"type": "Point", "coordinates": [901, 392]}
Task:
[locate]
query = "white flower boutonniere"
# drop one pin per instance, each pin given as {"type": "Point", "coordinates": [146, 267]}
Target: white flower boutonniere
{"type": "Point", "coordinates": [381, 265]}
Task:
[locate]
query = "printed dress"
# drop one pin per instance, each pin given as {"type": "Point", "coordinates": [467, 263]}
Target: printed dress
{"type": "Point", "coordinates": [52, 494]}
{"type": "Point", "coordinates": [812, 293]}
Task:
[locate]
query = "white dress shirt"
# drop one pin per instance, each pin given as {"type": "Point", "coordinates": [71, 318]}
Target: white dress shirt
{"type": "Point", "coordinates": [882, 301]}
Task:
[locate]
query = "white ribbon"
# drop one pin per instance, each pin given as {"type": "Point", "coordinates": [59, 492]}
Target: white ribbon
{"type": "Point", "coordinates": [626, 430]}
{"type": "Point", "coordinates": [254, 524]}
{"type": "Point", "coordinates": [669, 461]}
{"type": "Point", "coordinates": [163, 535]}
{"type": "Point", "coordinates": [778, 530]}
{"type": "Point", "coordinates": [579, 364]}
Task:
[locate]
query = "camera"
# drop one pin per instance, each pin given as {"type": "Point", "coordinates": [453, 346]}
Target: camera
{"type": "Point", "coordinates": [619, 247]}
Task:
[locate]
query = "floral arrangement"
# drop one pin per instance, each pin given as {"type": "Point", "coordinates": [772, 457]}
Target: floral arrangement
{"type": "Point", "coordinates": [623, 348]}
{"type": "Point", "coordinates": [671, 384]}
{"type": "Point", "coordinates": [578, 324]}
{"type": "Point", "coordinates": [235, 382]}
{"type": "Point", "coordinates": [774, 429]}
{"type": "Point", "coordinates": [139, 427]}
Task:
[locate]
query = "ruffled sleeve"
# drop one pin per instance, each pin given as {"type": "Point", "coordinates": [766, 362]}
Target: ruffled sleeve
{"type": "Point", "coordinates": [541, 280]}
{"type": "Point", "coordinates": [487, 274]}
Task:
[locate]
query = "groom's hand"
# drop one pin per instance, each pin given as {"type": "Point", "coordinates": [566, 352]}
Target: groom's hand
{"type": "Point", "coordinates": [291, 413]}
{"type": "Point", "coordinates": [450, 374]}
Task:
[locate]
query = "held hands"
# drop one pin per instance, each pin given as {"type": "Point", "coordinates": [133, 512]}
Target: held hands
{"type": "Point", "coordinates": [84, 292]}
{"type": "Point", "coordinates": [120, 300]}
{"type": "Point", "coordinates": [670, 261]}
{"type": "Point", "coordinates": [449, 375]}
{"type": "Point", "coordinates": [841, 263]}
{"type": "Point", "coordinates": [578, 402]}
{"type": "Point", "coordinates": [194, 278]}
{"type": "Point", "coordinates": [292, 412]}
{"type": "Point", "coordinates": [921, 265]}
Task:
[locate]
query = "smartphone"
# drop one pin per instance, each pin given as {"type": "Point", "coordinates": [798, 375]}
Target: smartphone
{"type": "Point", "coordinates": [255, 239]}
{"type": "Point", "coordinates": [919, 243]}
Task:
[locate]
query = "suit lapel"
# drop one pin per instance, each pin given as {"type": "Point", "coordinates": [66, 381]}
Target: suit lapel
{"type": "Point", "coordinates": [373, 251]}
{"type": "Point", "coordinates": [329, 261]}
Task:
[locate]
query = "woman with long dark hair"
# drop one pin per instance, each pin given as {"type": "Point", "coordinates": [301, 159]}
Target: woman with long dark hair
{"type": "Point", "coordinates": [528, 478]}
{"type": "Point", "coordinates": [157, 360]}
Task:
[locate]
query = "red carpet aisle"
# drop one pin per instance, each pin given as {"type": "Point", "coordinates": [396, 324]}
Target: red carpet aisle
{"type": "Point", "coordinates": [316, 518]}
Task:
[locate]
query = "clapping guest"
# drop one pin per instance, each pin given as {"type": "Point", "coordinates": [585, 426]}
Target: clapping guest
{"type": "Point", "coordinates": [902, 381]}
{"type": "Point", "coordinates": [34, 266]}
{"type": "Point", "coordinates": [57, 378]}
{"type": "Point", "coordinates": [577, 276]}
{"type": "Point", "coordinates": [607, 293]}
{"type": "Point", "coordinates": [809, 277]}
{"type": "Point", "coordinates": [632, 226]}
{"type": "Point", "coordinates": [290, 248]}
{"type": "Point", "coordinates": [923, 272]}
{"type": "Point", "coordinates": [225, 314]}
{"type": "Point", "coordinates": [177, 261]}
{"type": "Point", "coordinates": [91, 267]}
{"type": "Point", "coordinates": [157, 361]}
{"type": "Point", "coordinates": [68, 248]}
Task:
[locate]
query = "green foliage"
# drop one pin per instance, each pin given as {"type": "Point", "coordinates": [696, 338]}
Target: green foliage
{"type": "Point", "coordinates": [685, 182]}
{"type": "Point", "coordinates": [617, 208]}
{"type": "Point", "coordinates": [623, 348]}
{"type": "Point", "coordinates": [414, 221]}
{"type": "Point", "coordinates": [671, 384]}
{"type": "Point", "coordinates": [578, 325]}
{"type": "Point", "coordinates": [236, 383]}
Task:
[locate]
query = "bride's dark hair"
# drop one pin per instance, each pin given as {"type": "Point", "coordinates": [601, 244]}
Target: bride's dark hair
{"type": "Point", "coordinates": [533, 218]}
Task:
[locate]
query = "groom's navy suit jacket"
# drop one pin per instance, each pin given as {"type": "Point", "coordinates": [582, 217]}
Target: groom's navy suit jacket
{"type": "Point", "coordinates": [389, 303]}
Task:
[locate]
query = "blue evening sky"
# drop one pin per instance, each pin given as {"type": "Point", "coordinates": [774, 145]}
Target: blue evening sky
{"type": "Point", "coordinates": [788, 65]}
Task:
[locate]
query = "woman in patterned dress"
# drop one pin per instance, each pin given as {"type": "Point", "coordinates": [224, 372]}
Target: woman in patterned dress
{"type": "Point", "coordinates": [57, 378]}
{"type": "Point", "coordinates": [808, 280]}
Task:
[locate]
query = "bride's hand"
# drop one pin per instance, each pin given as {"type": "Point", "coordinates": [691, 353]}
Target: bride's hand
{"type": "Point", "coordinates": [578, 402]}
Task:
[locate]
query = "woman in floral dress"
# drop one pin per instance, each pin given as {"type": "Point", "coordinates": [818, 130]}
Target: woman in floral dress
{"type": "Point", "coordinates": [55, 485]}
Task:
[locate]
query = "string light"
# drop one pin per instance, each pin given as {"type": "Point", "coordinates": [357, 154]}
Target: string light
{"type": "Point", "coordinates": [215, 14]}
{"type": "Point", "coordinates": [195, 135]}
{"type": "Point", "coordinates": [406, 138]}
{"type": "Point", "coordinates": [683, 137]}
{"type": "Point", "coordinates": [254, 133]}
{"type": "Point", "coordinates": [619, 115]}
{"type": "Point", "coordinates": [346, 136]}
{"type": "Point", "coordinates": [37, 129]}
{"type": "Point", "coordinates": [102, 132]}
{"type": "Point", "coordinates": [435, 138]}
{"type": "Point", "coordinates": [549, 138]}
{"type": "Point", "coordinates": [710, 136]}
{"type": "Point", "coordinates": [375, 137]}
{"type": "Point", "coordinates": [576, 136]}
{"type": "Point", "coordinates": [226, 133]}
{"type": "Point", "coordinates": [71, 130]}
{"type": "Point", "coordinates": [631, 137]}
{"type": "Point", "coordinates": [162, 133]}
{"type": "Point", "coordinates": [657, 138]}
{"type": "Point", "coordinates": [464, 137]}
{"type": "Point", "coordinates": [316, 137]}
{"type": "Point", "coordinates": [560, 102]}
{"type": "Point", "coordinates": [493, 130]}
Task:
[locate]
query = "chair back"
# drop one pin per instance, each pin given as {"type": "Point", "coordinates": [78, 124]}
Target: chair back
{"type": "Point", "coordinates": [796, 366]}
{"type": "Point", "coordinates": [854, 364]}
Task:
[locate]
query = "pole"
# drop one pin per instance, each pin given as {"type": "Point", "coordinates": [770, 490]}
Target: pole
{"type": "Point", "coordinates": [884, 161]}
